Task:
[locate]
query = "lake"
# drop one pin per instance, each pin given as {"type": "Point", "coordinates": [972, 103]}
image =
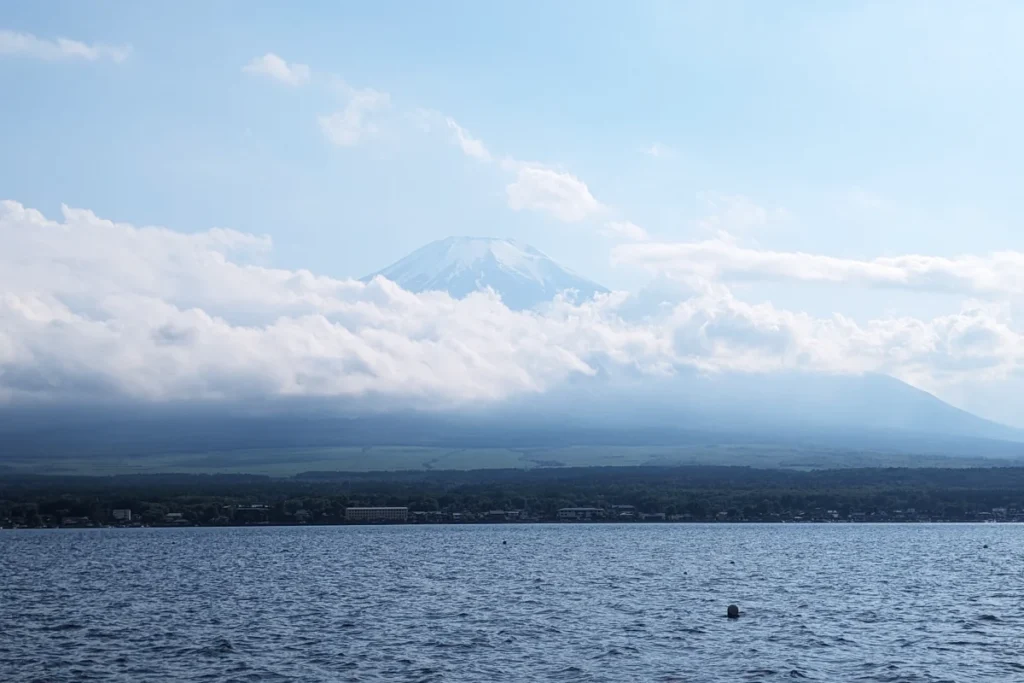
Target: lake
{"type": "Point", "coordinates": [602, 602]}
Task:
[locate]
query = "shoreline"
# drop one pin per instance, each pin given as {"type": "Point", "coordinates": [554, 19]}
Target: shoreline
{"type": "Point", "coordinates": [520, 523]}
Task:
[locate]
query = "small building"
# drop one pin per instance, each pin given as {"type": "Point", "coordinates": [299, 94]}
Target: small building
{"type": "Point", "coordinates": [388, 514]}
{"type": "Point", "coordinates": [579, 514]}
{"type": "Point", "coordinates": [122, 515]}
{"type": "Point", "coordinates": [503, 515]}
{"type": "Point", "coordinates": [252, 514]}
{"type": "Point", "coordinates": [428, 516]}
{"type": "Point", "coordinates": [176, 518]}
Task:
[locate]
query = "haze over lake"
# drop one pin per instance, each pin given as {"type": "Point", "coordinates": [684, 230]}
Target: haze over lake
{"type": "Point", "coordinates": [514, 603]}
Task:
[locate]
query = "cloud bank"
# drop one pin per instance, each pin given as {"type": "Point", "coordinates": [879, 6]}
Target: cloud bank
{"type": "Point", "coordinates": [994, 275]}
{"type": "Point", "coordinates": [92, 307]}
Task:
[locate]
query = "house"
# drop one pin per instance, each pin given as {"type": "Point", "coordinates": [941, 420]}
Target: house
{"type": "Point", "coordinates": [122, 515]}
{"type": "Point", "coordinates": [579, 514]}
{"type": "Point", "coordinates": [428, 516]}
{"type": "Point", "coordinates": [503, 515]}
{"type": "Point", "coordinates": [252, 514]}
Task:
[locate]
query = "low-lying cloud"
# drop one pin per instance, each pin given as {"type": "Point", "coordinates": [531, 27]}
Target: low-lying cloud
{"type": "Point", "coordinates": [93, 307]}
{"type": "Point", "coordinates": [992, 275]}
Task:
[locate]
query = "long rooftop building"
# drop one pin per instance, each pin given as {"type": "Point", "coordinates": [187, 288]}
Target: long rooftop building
{"type": "Point", "coordinates": [381, 514]}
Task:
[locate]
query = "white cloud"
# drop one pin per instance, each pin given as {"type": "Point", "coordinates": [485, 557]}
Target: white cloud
{"type": "Point", "coordinates": [89, 306]}
{"type": "Point", "coordinates": [430, 120]}
{"type": "Point", "coordinates": [625, 230]}
{"type": "Point", "coordinates": [716, 328]}
{"type": "Point", "coordinates": [352, 125]}
{"type": "Point", "coordinates": [156, 314]}
{"type": "Point", "coordinates": [471, 146]}
{"type": "Point", "coordinates": [28, 45]}
{"type": "Point", "coordinates": [274, 67]}
{"type": "Point", "coordinates": [560, 194]}
{"type": "Point", "coordinates": [537, 186]}
{"type": "Point", "coordinates": [994, 275]}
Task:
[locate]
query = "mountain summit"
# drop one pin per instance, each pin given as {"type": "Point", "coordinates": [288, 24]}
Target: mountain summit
{"type": "Point", "coordinates": [523, 276]}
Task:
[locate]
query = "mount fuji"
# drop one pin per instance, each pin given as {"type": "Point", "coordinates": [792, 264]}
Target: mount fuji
{"type": "Point", "coordinates": [524, 277]}
{"type": "Point", "coordinates": [789, 413]}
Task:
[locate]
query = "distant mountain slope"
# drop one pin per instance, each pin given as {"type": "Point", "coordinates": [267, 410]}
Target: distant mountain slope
{"type": "Point", "coordinates": [523, 276]}
{"type": "Point", "coordinates": [788, 404]}
{"type": "Point", "coordinates": [839, 415]}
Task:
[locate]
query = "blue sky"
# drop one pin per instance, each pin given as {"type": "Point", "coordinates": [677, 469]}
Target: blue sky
{"type": "Point", "coordinates": [848, 130]}
{"type": "Point", "coordinates": [787, 106]}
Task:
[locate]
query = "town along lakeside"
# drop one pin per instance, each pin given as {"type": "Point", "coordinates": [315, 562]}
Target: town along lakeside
{"type": "Point", "coordinates": [592, 495]}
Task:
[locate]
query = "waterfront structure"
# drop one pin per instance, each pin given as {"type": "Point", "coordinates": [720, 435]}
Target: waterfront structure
{"type": "Point", "coordinates": [252, 514]}
{"type": "Point", "coordinates": [388, 514]}
{"type": "Point", "coordinates": [579, 514]}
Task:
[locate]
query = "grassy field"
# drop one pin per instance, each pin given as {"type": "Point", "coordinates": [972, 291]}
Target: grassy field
{"type": "Point", "coordinates": [290, 461]}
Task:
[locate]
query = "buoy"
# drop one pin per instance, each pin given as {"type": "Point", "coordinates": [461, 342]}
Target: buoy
{"type": "Point", "coordinates": [504, 542]}
{"type": "Point", "coordinates": [733, 612]}
{"type": "Point", "coordinates": [986, 545]}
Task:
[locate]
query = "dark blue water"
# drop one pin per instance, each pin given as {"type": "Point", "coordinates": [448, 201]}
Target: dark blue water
{"type": "Point", "coordinates": [556, 603]}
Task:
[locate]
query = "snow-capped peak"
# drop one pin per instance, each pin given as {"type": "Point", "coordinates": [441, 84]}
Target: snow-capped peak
{"type": "Point", "coordinates": [456, 255]}
{"type": "Point", "coordinates": [522, 275]}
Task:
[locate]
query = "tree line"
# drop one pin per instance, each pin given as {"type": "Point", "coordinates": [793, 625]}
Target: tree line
{"type": "Point", "coordinates": [693, 493]}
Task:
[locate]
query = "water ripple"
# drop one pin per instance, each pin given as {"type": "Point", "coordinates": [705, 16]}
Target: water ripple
{"type": "Point", "coordinates": [555, 603]}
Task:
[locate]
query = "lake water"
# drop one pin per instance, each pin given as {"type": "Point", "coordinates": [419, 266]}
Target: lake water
{"type": "Point", "coordinates": [553, 603]}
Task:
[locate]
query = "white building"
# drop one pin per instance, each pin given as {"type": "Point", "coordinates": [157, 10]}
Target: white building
{"type": "Point", "coordinates": [123, 515]}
